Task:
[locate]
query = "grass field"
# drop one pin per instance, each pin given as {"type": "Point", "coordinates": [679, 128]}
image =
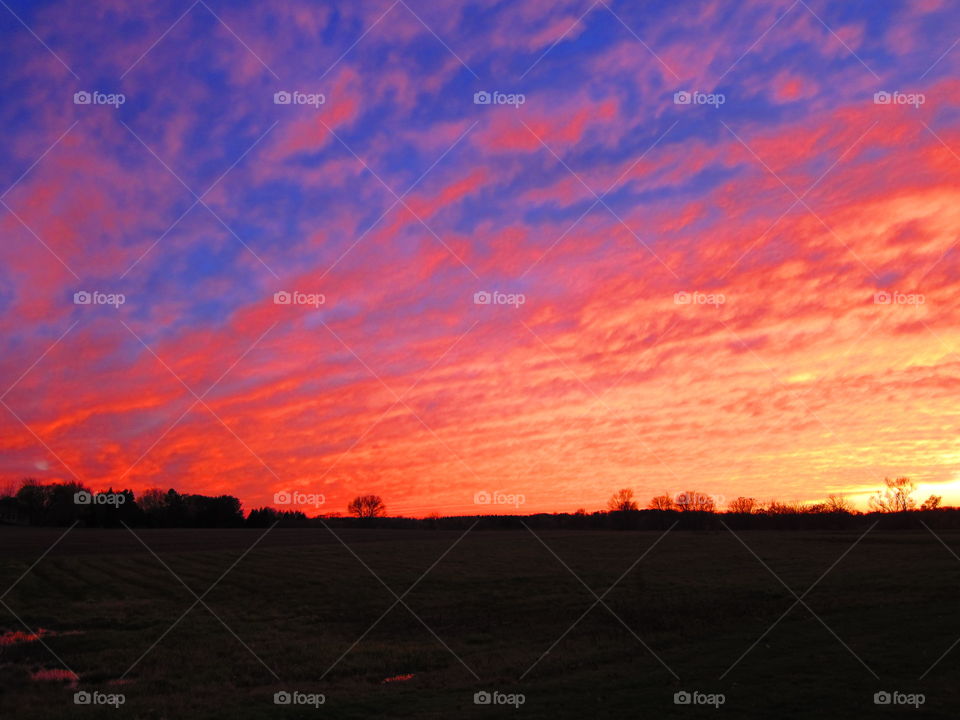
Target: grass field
{"type": "Point", "coordinates": [492, 606]}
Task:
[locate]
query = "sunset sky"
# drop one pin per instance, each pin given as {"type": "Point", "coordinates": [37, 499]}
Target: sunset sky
{"type": "Point", "coordinates": [811, 225]}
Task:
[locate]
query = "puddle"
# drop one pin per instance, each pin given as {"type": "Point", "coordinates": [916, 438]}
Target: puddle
{"type": "Point", "coordinates": [398, 678]}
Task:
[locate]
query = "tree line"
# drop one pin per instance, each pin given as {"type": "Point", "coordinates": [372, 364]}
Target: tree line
{"type": "Point", "coordinates": [62, 504]}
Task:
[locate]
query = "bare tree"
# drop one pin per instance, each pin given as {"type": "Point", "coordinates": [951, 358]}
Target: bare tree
{"type": "Point", "coordinates": [621, 501]}
{"type": "Point", "coordinates": [896, 498]}
{"type": "Point", "coordinates": [745, 505]}
{"type": "Point", "coordinates": [662, 502]}
{"type": "Point", "coordinates": [367, 506]}
{"type": "Point", "coordinates": [693, 501]}
{"type": "Point", "coordinates": [838, 504]}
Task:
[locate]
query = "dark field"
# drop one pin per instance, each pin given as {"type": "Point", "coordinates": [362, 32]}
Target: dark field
{"type": "Point", "coordinates": [496, 602]}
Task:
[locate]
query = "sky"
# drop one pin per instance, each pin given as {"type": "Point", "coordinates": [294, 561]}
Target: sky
{"type": "Point", "coordinates": [482, 256]}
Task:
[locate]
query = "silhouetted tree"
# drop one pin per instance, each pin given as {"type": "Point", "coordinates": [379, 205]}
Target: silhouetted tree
{"type": "Point", "coordinates": [745, 505]}
{"type": "Point", "coordinates": [622, 501]}
{"type": "Point", "coordinates": [931, 503]}
{"type": "Point", "coordinates": [367, 506]}
{"type": "Point", "coordinates": [896, 498]}
{"type": "Point", "coordinates": [693, 501]}
{"type": "Point", "coordinates": [662, 502]}
{"type": "Point", "coordinates": [838, 504]}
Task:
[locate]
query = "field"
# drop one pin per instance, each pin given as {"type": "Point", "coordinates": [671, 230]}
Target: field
{"type": "Point", "coordinates": [284, 616]}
